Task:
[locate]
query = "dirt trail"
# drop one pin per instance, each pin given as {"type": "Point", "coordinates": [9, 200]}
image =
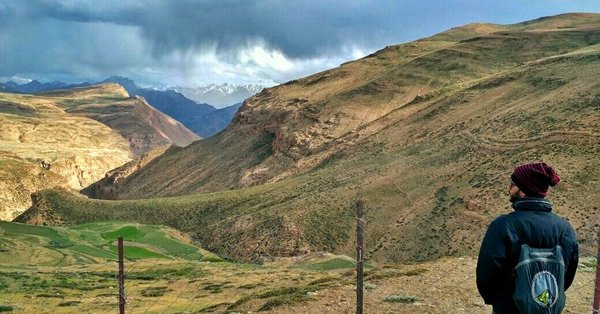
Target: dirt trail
{"type": "Point", "coordinates": [571, 137]}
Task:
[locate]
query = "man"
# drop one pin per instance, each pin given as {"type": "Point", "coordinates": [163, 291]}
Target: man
{"type": "Point", "coordinates": [531, 223]}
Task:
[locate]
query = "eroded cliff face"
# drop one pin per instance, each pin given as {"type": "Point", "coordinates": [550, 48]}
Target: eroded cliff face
{"type": "Point", "coordinates": [70, 139]}
{"type": "Point", "coordinates": [108, 187]}
{"type": "Point", "coordinates": [20, 178]}
{"type": "Point", "coordinates": [83, 170]}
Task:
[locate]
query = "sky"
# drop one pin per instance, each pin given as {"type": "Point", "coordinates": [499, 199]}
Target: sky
{"type": "Point", "coordinates": [190, 43]}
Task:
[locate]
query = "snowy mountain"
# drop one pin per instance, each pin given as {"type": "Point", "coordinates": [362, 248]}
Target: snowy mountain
{"type": "Point", "coordinates": [220, 95]}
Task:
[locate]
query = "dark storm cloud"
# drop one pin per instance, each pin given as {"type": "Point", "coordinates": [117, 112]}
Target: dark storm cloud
{"type": "Point", "coordinates": [298, 28]}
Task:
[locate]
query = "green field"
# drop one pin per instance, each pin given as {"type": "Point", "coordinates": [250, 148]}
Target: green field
{"type": "Point", "coordinates": [73, 269]}
{"type": "Point", "coordinates": [91, 243]}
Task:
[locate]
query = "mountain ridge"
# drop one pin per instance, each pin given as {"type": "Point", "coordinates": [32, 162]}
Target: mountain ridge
{"type": "Point", "coordinates": [202, 118]}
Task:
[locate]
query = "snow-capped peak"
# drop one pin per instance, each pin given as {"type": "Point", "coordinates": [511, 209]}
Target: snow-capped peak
{"type": "Point", "coordinates": [220, 95]}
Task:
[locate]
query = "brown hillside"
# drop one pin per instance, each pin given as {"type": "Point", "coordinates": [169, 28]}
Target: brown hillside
{"type": "Point", "coordinates": [427, 132]}
{"type": "Point", "coordinates": [77, 134]}
{"type": "Point", "coordinates": [105, 187]}
{"type": "Point", "coordinates": [143, 126]}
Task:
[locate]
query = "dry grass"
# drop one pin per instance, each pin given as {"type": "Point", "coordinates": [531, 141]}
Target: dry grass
{"type": "Point", "coordinates": [446, 285]}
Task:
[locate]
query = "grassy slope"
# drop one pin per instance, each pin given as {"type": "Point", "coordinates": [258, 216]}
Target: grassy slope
{"type": "Point", "coordinates": [433, 169]}
{"type": "Point", "coordinates": [91, 243]}
{"type": "Point", "coordinates": [65, 270]}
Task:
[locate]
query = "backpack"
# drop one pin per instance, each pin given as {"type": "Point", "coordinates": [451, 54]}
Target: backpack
{"type": "Point", "coordinates": [539, 281]}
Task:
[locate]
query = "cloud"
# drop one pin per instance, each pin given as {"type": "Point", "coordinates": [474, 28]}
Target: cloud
{"type": "Point", "coordinates": [300, 29]}
{"type": "Point", "coordinates": [190, 41]}
{"type": "Point", "coordinates": [172, 42]}
{"type": "Point", "coordinates": [59, 48]}
{"type": "Point", "coordinates": [255, 62]}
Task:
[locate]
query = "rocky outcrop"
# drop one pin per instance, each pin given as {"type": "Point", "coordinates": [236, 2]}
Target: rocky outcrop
{"type": "Point", "coordinates": [108, 187]}
{"type": "Point", "coordinates": [81, 171]}
{"type": "Point", "coordinates": [303, 138]}
{"type": "Point", "coordinates": [40, 213]}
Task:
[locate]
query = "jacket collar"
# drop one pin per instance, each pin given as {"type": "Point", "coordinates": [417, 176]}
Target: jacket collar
{"type": "Point", "coordinates": [533, 204]}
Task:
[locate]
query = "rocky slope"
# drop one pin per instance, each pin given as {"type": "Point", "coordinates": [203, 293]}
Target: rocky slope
{"type": "Point", "coordinates": [427, 132]}
{"type": "Point", "coordinates": [105, 188]}
{"type": "Point", "coordinates": [19, 179]}
{"type": "Point", "coordinates": [71, 138]}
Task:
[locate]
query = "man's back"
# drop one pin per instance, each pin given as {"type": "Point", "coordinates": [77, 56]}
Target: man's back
{"type": "Point", "coordinates": [531, 223]}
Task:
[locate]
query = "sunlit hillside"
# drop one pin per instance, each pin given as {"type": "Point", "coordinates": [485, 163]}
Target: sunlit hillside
{"type": "Point", "coordinates": [71, 138]}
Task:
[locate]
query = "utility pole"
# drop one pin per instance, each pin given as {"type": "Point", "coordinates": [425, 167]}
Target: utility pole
{"type": "Point", "coordinates": [121, 277]}
{"type": "Point", "coordinates": [597, 285]}
{"type": "Point", "coordinates": [360, 230]}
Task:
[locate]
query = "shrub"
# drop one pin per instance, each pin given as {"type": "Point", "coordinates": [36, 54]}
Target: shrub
{"type": "Point", "coordinates": [154, 292]}
{"type": "Point", "coordinates": [401, 298]}
{"type": "Point", "coordinates": [370, 286]}
{"type": "Point", "coordinates": [69, 303]}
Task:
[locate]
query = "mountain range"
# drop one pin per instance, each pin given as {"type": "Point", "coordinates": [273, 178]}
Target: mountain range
{"type": "Point", "coordinates": [4, 88]}
{"type": "Point", "coordinates": [36, 87]}
{"type": "Point", "coordinates": [426, 132]}
{"type": "Point", "coordinates": [203, 119]}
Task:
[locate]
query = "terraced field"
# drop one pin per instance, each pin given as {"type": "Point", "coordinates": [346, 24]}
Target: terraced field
{"type": "Point", "coordinates": [73, 270]}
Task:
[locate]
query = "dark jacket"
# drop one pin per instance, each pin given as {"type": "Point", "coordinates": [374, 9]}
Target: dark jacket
{"type": "Point", "coordinates": [531, 223]}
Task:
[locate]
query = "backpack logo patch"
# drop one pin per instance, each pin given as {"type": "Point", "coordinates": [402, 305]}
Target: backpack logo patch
{"type": "Point", "coordinates": [544, 288]}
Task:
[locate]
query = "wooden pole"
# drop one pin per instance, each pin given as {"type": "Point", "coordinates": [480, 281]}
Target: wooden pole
{"type": "Point", "coordinates": [121, 278]}
{"type": "Point", "coordinates": [360, 229]}
{"type": "Point", "coordinates": [597, 285]}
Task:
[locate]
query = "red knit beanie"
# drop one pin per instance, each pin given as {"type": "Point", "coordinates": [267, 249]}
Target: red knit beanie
{"type": "Point", "coordinates": [534, 179]}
